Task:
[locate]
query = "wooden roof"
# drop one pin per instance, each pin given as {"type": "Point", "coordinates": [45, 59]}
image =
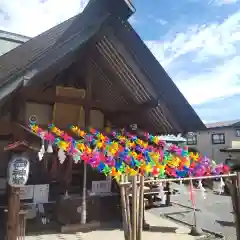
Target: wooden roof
{"type": "Point", "coordinates": [135, 76]}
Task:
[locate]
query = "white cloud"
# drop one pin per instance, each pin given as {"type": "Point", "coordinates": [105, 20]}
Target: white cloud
{"type": "Point", "coordinates": [132, 20]}
{"type": "Point", "coordinates": [161, 21]}
{"type": "Point", "coordinates": [223, 2]}
{"type": "Point", "coordinates": [219, 82]}
{"type": "Point", "coordinates": [32, 17]}
{"type": "Point", "coordinates": [216, 46]}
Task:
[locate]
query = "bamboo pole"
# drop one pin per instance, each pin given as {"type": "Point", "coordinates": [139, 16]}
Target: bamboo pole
{"type": "Point", "coordinates": [134, 208]}
{"type": "Point", "coordinates": [137, 202]}
{"type": "Point", "coordinates": [87, 109]}
{"type": "Point", "coordinates": [128, 211]}
{"type": "Point", "coordinates": [141, 208]}
{"type": "Point", "coordinates": [124, 209]}
{"type": "Point", "coordinates": [193, 205]}
{"type": "Point", "coordinates": [186, 179]}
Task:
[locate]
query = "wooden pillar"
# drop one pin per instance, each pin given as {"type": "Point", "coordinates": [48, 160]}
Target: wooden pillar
{"type": "Point", "coordinates": [235, 194]}
{"type": "Point", "coordinates": [87, 109]}
{"type": "Point", "coordinates": [13, 213]}
{"type": "Point", "coordinates": [14, 192]}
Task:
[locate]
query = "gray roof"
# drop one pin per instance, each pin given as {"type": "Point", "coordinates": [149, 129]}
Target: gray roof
{"type": "Point", "coordinates": [14, 37]}
{"type": "Point", "coordinates": [222, 124]}
{"type": "Point", "coordinates": [103, 21]}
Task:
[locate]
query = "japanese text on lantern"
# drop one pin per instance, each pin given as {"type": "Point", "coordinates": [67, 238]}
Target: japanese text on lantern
{"type": "Point", "coordinates": [18, 171]}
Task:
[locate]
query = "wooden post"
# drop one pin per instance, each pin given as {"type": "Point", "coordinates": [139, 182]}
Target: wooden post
{"type": "Point", "coordinates": [134, 208]}
{"type": "Point", "coordinates": [18, 170]}
{"type": "Point", "coordinates": [235, 194]}
{"type": "Point", "coordinates": [14, 192]}
{"type": "Point", "coordinates": [13, 212]}
{"type": "Point", "coordinates": [141, 209]}
{"type": "Point", "coordinates": [168, 194]}
{"type": "Point", "coordinates": [87, 109]}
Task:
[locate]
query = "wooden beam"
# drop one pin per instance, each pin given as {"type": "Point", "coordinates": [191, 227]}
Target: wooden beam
{"type": "Point", "coordinates": [49, 97]}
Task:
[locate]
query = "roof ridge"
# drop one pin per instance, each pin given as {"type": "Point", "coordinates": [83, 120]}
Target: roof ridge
{"type": "Point", "coordinates": [222, 123]}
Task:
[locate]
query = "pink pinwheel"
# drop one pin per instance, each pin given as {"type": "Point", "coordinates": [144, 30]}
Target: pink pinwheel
{"type": "Point", "coordinates": [49, 137]}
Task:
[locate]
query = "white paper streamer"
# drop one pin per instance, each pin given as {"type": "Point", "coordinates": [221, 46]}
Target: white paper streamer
{"type": "Point", "coordinates": [50, 148]}
{"type": "Point", "coordinates": [42, 149]}
{"type": "Point", "coordinates": [61, 156]}
{"type": "Point", "coordinates": [202, 189]}
{"type": "Point", "coordinates": [161, 191]}
{"type": "Point", "coordinates": [221, 186]}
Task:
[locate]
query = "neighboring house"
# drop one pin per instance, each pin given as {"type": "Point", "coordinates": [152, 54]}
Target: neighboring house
{"type": "Point", "coordinates": [9, 41]}
{"type": "Point", "coordinates": [217, 136]}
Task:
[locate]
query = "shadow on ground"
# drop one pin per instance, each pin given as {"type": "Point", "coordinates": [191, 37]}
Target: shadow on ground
{"type": "Point", "coordinates": [105, 226]}
{"type": "Point", "coordinates": [162, 229]}
{"type": "Point", "coordinates": [226, 223]}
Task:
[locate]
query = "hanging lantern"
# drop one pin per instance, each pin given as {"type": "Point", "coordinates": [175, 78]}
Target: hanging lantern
{"type": "Point", "coordinates": [18, 171]}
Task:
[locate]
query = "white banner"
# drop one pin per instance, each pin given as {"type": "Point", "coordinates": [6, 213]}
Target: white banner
{"type": "Point", "coordinates": [41, 193]}
{"type": "Point", "coordinates": [101, 186]}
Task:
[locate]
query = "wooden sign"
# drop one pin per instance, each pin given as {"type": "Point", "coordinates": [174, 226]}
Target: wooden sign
{"type": "Point", "coordinates": [18, 171]}
{"type": "Point", "coordinates": [26, 192]}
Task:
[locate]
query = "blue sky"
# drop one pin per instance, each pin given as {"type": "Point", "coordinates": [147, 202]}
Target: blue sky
{"type": "Point", "coordinates": [196, 41]}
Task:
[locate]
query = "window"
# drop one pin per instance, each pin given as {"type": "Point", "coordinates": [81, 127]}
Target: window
{"type": "Point", "coordinates": [237, 132]}
{"type": "Point", "coordinates": [192, 140]}
{"type": "Point", "coordinates": [218, 138]}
